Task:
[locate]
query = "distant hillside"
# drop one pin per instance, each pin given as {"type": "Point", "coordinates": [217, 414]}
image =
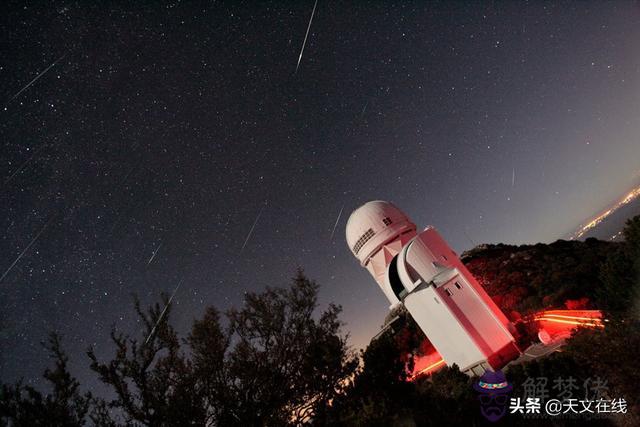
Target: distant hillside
{"type": "Point", "coordinates": [608, 224]}
{"type": "Point", "coordinates": [528, 278]}
{"type": "Point", "coordinates": [613, 224]}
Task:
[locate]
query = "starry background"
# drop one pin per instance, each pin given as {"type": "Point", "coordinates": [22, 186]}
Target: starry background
{"type": "Point", "coordinates": [160, 134]}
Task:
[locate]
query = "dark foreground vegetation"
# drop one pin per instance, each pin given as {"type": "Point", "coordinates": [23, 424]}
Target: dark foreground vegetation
{"type": "Point", "coordinates": [277, 361]}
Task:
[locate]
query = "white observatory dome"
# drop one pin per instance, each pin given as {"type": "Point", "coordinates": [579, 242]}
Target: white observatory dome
{"type": "Point", "coordinates": [374, 224]}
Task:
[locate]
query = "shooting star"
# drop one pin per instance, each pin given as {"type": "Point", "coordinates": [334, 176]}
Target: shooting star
{"type": "Point", "coordinates": [163, 312]}
{"type": "Point", "coordinates": [306, 35]}
{"type": "Point", "coordinates": [513, 178]}
{"type": "Point", "coordinates": [24, 165]}
{"type": "Point", "coordinates": [251, 231]}
{"type": "Point", "coordinates": [336, 224]}
{"type": "Point", "coordinates": [154, 254]}
{"type": "Point", "coordinates": [36, 79]}
{"type": "Point", "coordinates": [44, 227]}
{"type": "Point", "coordinates": [128, 174]}
{"type": "Point", "coordinates": [473, 244]}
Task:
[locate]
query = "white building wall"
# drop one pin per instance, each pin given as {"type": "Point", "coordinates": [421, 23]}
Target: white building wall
{"type": "Point", "coordinates": [466, 327]}
{"type": "Point", "coordinates": [442, 328]}
{"type": "Point", "coordinates": [439, 248]}
{"type": "Point", "coordinates": [477, 317]}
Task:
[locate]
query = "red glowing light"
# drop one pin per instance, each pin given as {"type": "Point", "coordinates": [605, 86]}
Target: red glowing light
{"type": "Point", "coordinates": [559, 324]}
{"type": "Point", "coordinates": [570, 322]}
{"type": "Point", "coordinates": [428, 370]}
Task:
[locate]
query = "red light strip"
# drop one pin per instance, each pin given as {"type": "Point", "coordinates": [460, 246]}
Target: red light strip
{"type": "Point", "coordinates": [564, 316]}
{"type": "Point", "coordinates": [424, 370]}
{"type": "Point", "coordinates": [570, 322]}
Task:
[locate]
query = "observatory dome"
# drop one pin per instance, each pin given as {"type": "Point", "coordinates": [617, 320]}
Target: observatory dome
{"type": "Point", "coordinates": [374, 224]}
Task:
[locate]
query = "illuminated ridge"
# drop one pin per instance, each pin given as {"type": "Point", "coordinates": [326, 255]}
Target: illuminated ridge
{"type": "Point", "coordinates": [631, 196]}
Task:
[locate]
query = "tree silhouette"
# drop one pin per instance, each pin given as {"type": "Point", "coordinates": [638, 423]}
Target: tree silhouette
{"type": "Point", "coordinates": [23, 405]}
{"type": "Point", "coordinates": [620, 275]}
{"type": "Point", "coordinates": [271, 363]}
{"type": "Point", "coordinates": [151, 377]}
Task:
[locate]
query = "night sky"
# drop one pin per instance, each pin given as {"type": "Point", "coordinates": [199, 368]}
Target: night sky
{"type": "Point", "coordinates": [144, 146]}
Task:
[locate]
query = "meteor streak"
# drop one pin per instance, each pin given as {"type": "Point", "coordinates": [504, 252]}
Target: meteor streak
{"type": "Point", "coordinates": [154, 254]}
{"type": "Point", "coordinates": [251, 231]}
{"type": "Point", "coordinates": [306, 35]}
{"type": "Point", "coordinates": [36, 78]}
{"type": "Point", "coordinates": [24, 165]}
{"type": "Point", "coordinates": [27, 248]}
{"type": "Point", "coordinates": [336, 224]}
{"type": "Point", "coordinates": [163, 312]}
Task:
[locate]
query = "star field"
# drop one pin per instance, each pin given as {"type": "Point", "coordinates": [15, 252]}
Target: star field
{"type": "Point", "coordinates": [178, 143]}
